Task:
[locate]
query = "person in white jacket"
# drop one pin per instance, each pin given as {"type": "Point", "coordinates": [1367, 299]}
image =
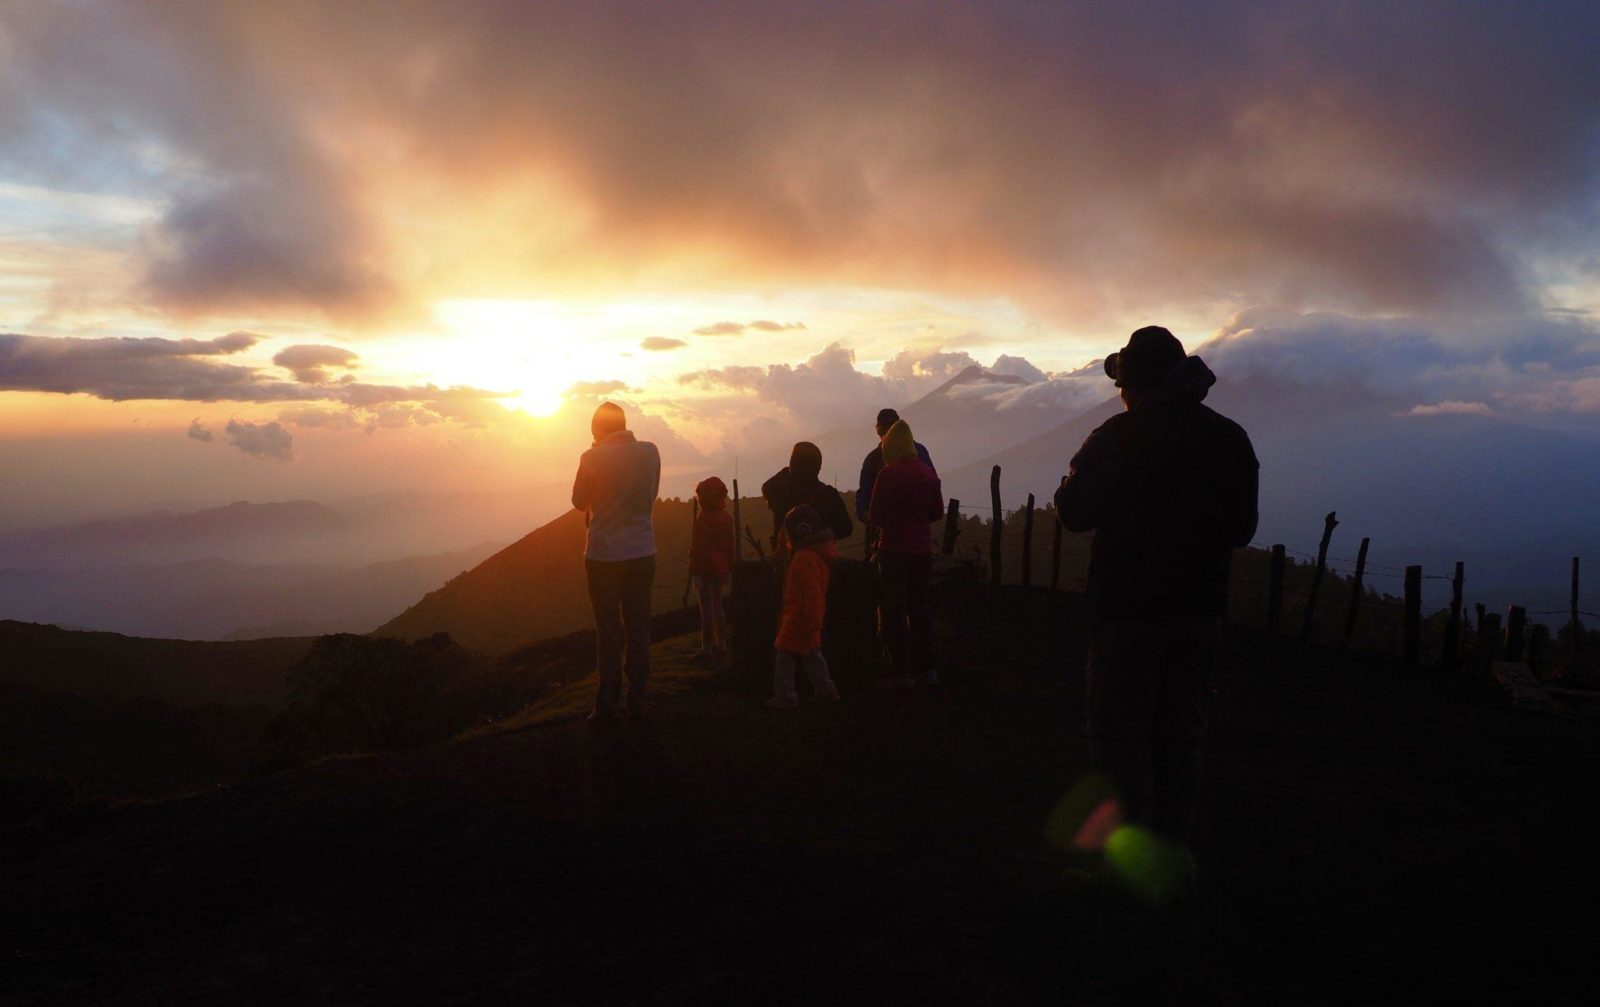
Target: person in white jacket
{"type": "Point", "coordinates": [616, 485]}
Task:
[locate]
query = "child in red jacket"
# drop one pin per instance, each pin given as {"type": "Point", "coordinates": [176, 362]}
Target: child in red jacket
{"type": "Point", "coordinates": [710, 563]}
{"type": "Point", "coordinates": [805, 602]}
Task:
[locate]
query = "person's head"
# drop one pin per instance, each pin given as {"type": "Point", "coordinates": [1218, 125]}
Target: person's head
{"type": "Point", "coordinates": [803, 527]}
{"type": "Point", "coordinates": [886, 418]}
{"type": "Point", "coordinates": [805, 460]}
{"type": "Point", "coordinates": [712, 494]}
{"type": "Point", "coordinates": [607, 420]}
{"type": "Point", "coordinates": [1141, 366]}
{"type": "Point", "coordinates": [898, 444]}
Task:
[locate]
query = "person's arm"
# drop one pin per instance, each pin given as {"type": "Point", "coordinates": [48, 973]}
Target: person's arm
{"type": "Point", "coordinates": [1242, 508]}
{"type": "Point", "coordinates": [936, 502]}
{"type": "Point", "coordinates": [879, 509]}
{"type": "Point", "coordinates": [838, 516]}
{"type": "Point", "coordinates": [583, 485]}
{"type": "Point", "coordinates": [927, 459]}
{"type": "Point", "coordinates": [1084, 498]}
{"type": "Point", "coordinates": [730, 537]}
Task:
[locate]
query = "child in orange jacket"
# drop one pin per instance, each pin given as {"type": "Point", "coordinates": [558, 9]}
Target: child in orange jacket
{"type": "Point", "coordinates": [710, 563]}
{"type": "Point", "coordinates": [805, 602]}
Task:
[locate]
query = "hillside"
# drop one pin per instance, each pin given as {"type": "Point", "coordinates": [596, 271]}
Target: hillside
{"type": "Point", "coordinates": [535, 588]}
{"type": "Point", "coordinates": [1368, 836]}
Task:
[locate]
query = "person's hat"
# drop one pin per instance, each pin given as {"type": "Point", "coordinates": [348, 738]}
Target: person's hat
{"type": "Point", "coordinates": [804, 527]}
{"type": "Point", "coordinates": [711, 490]}
{"type": "Point", "coordinates": [1151, 352]}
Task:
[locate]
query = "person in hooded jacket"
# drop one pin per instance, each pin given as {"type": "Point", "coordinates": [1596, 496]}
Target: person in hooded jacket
{"type": "Point", "coordinates": [711, 563]}
{"type": "Point", "coordinates": [872, 464]}
{"type": "Point", "coordinates": [906, 500]}
{"type": "Point", "coordinates": [1169, 487]}
{"type": "Point", "coordinates": [805, 606]}
{"type": "Point", "coordinates": [800, 484]}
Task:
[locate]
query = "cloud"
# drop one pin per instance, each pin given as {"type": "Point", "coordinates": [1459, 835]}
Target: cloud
{"type": "Point", "coordinates": [198, 432]}
{"type": "Point", "coordinates": [313, 417]}
{"type": "Point", "coordinates": [659, 344]}
{"type": "Point", "coordinates": [1363, 162]}
{"type": "Point", "coordinates": [127, 368]}
{"type": "Point", "coordinates": [1017, 367]}
{"type": "Point", "coordinates": [1450, 409]}
{"type": "Point", "coordinates": [595, 389]}
{"type": "Point", "coordinates": [936, 365]}
{"type": "Point", "coordinates": [721, 329]}
{"type": "Point", "coordinates": [261, 440]}
{"type": "Point", "coordinates": [309, 363]}
{"type": "Point", "coordinates": [825, 386]}
{"type": "Point", "coordinates": [764, 325]}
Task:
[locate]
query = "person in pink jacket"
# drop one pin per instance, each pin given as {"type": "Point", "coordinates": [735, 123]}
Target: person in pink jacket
{"type": "Point", "coordinates": [906, 500]}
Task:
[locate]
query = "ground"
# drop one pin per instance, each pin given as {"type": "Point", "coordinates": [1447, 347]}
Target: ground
{"type": "Point", "coordinates": [1369, 836]}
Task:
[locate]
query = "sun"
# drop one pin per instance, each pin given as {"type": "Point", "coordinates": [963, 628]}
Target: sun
{"type": "Point", "coordinates": [534, 350]}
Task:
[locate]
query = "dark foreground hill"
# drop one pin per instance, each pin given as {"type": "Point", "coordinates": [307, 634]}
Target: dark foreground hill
{"type": "Point", "coordinates": [1368, 837]}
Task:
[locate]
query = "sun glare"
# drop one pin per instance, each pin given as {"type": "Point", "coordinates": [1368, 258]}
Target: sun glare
{"type": "Point", "coordinates": [533, 349]}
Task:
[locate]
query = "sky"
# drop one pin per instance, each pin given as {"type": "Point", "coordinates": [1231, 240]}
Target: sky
{"type": "Point", "coordinates": [288, 250]}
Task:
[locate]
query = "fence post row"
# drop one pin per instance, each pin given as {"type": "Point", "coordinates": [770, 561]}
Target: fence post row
{"type": "Point", "coordinates": [1275, 592]}
{"type": "Point", "coordinates": [1413, 616]}
{"type": "Point", "coordinates": [1355, 593]}
{"type": "Point", "coordinates": [1328, 524]}
{"type": "Point", "coordinates": [1027, 544]}
{"type": "Point", "coordinates": [1451, 652]}
{"type": "Point", "coordinates": [999, 525]}
{"type": "Point", "coordinates": [1055, 552]}
{"type": "Point", "coordinates": [952, 526]}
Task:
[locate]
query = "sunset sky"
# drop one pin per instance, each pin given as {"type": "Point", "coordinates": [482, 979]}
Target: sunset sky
{"type": "Point", "coordinates": [277, 250]}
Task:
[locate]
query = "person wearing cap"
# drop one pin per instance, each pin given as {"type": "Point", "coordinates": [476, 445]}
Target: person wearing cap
{"type": "Point", "coordinates": [801, 484]}
{"type": "Point", "coordinates": [616, 485]}
{"type": "Point", "coordinates": [1169, 488]}
{"type": "Point", "coordinates": [710, 563]}
{"type": "Point", "coordinates": [872, 464]}
{"type": "Point", "coordinates": [906, 499]}
{"type": "Point", "coordinates": [805, 606]}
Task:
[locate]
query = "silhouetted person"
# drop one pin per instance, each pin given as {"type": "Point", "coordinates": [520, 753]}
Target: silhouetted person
{"type": "Point", "coordinates": [616, 484]}
{"type": "Point", "coordinates": [710, 563]}
{"type": "Point", "coordinates": [906, 499]}
{"type": "Point", "coordinates": [1169, 488]}
{"type": "Point", "coordinates": [872, 464]}
{"type": "Point", "coordinates": [805, 608]}
{"type": "Point", "coordinates": [800, 485]}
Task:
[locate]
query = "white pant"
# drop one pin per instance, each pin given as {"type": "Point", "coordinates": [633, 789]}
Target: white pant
{"type": "Point", "coordinates": [816, 666]}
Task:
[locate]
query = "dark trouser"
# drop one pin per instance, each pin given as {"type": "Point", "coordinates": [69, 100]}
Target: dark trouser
{"type": "Point", "coordinates": [905, 619]}
{"type": "Point", "coordinates": [620, 594]}
{"type": "Point", "coordinates": [1149, 692]}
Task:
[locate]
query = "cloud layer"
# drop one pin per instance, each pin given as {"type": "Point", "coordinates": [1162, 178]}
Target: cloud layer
{"type": "Point", "coordinates": [1420, 159]}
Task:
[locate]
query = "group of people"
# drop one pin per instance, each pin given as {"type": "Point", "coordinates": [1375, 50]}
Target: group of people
{"type": "Point", "coordinates": [1168, 486]}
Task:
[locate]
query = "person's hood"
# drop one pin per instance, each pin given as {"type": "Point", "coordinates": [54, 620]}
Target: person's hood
{"type": "Point", "coordinates": [805, 461]}
{"type": "Point", "coordinates": [898, 444]}
{"type": "Point", "coordinates": [713, 493]}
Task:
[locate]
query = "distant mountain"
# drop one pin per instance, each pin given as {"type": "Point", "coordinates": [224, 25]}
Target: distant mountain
{"type": "Point", "coordinates": [211, 599]}
{"type": "Point", "coordinates": [1514, 502]}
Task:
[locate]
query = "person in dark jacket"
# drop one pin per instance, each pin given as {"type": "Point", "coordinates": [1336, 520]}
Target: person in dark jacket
{"type": "Point", "coordinates": [800, 485]}
{"type": "Point", "coordinates": [1169, 488]}
{"type": "Point", "coordinates": [872, 464]}
{"type": "Point", "coordinates": [906, 499]}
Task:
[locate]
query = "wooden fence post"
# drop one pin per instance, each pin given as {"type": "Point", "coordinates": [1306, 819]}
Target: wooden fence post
{"type": "Point", "coordinates": [1328, 524]}
{"type": "Point", "coordinates": [1027, 544]}
{"type": "Point", "coordinates": [1275, 592]}
{"type": "Point", "coordinates": [1516, 625]}
{"type": "Point", "coordinates": [1413, 616]}
{"type": "Point", "coordinates": [1572, 623]}
{"type": "Point", "coordinates": [738, 547]}
{"type": "Point", "coordinates": [1055, 552]}
{"type": "Point", "coordinates": [999, 526]}
{"type": "Point", "coordinates": [952, 527]}
{"type": "Point", "coordinates": [1355, 593]}
{"type": "Point", "coordinates": [1450, 655]}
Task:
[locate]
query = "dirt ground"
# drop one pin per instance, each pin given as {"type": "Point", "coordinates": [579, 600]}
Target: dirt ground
{"type": "Point", "coordinates": [1369, 837]}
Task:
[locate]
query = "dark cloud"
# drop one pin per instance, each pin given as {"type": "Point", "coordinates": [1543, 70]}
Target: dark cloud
{"type": "Point", "coordinates": [198, 432]}
{"type": "Point", "coordinates": [1379, 158]}
{"type": "Point", "coordinates": [659, 344]}
{"type": "Point", "coordinates": [261, 440]}
{"type": "Point", "coordinates": [309, 363]}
